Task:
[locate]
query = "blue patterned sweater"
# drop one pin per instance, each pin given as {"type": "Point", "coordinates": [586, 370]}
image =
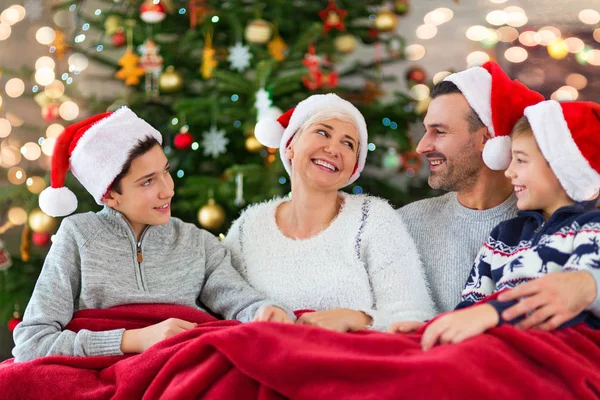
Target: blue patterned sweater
{"type": "Point", "coordinates": [527, 247]}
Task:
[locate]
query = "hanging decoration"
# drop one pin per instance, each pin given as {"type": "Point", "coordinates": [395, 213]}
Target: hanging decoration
{"type": "Point", "coordinates": [208, 58]}
{"type": "Point", "coordinates": [198, 12]}
{"type": "Point", "coordinates": [402, 6]}
{"type": "Point", "coordinates": [258, 31]}
{"type": "Point", "coordinates": [151, 12]}
{"type": "Point", "coordinates": [5, 259]}
{"type": "Point", "coordinates": [321, 73]}
{"type": "Point", "coordinates": [59, 44]}
{"type": "Point", "coordinates": [277, 48]}
{"type": "Point", "coordinates": [411, 160]}
{"type": "Point", "coordinates": [112, 24]}
{"type": "Point", "coordinates": [41, 239]}
{"type": "Point", "coordinates": [214, 142]}
{"type": "Point", "coordinates": [416, 75]}
{"type": "Point", "coordinates": [345, 43]}
{"type": "Point", "coordinates": [386, 21]}
{"type": "Point", "coordinates": [170, 81]}
{"type": "Point", "coordinates": [183, 140]}
{"type": "Point", "coordinates": [118, 38]}
{"type": "Point", "coordinates": [211, 215]}
{"type": "Point", "coordinates": [15, 320]}
{"type": "Point", "coordinates": [130, 71]}
{"type": "Point", "coordinates": [25, 247]}
{"type": "Point", "coordinates": [239, 57]}
{"type": "Point", "coordinates": [253, 145]}
{"type": "Point", "coordinates": [333, 17]}
{"type": "Point", "coordinates": [152, 63]}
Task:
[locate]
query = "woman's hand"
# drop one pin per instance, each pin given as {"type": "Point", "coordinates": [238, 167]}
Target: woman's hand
{"type": "Point", "coordinates": [460, 325]}
{"type": "Point", "coordinates": [272, 314]}
{"type": "Point", "coordinates": [139, 340]}
{"type": "Point", "coordinates": [405, 326]}
{"type": "Point", "coordinates": [338, 319]}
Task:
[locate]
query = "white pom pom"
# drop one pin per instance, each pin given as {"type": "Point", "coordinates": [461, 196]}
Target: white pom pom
{"type": "Point", "coordinates": [269, 132]}
{"type": "Point", "coordinates": [497, 153]}
{"type": "Point", "coordinates": [57, 202]}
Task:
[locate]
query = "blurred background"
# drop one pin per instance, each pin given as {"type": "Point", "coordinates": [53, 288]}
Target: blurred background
{"type": "Point", "coordinates": [203, 72]}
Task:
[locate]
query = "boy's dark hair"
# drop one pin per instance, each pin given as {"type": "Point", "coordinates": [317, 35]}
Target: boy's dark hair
{"type": "Point", "coordinates": [447, 87]}
{"type": "Point", "coordinates": [141, 148]}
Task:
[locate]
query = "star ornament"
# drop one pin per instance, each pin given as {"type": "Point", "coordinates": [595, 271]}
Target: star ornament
{"type": "Point", "coordinates": [333, 17]}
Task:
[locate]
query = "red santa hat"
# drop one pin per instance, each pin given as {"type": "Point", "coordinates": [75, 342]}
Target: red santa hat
{"type": "Point", "coordinates": [499, 102]}
{"type": "Point", "coordinates": [279, 133]}
{"type": "Point", "coordinates": [96, 150]}
{"type": "Point", "coordinates": [568, 134]}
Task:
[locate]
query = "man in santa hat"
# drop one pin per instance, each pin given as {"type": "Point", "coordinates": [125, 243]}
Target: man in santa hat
{"type": "Point", "coordinates": [466, 142]}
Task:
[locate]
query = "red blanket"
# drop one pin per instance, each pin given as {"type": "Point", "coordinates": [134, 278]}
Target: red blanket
{"type": "Point", "coordinates": [227, 360]}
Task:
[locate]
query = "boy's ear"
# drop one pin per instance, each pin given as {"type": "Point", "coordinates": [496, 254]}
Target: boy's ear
{"type": "Point", "coordinates": [110, 200]}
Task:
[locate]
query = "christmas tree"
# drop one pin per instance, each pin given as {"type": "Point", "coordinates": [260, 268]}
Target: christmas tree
{"type": "Point", "coordinates": [203, 72]}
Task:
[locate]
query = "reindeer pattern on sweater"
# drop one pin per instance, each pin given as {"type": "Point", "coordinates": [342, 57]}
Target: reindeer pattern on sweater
{"type": "Point", "coordinates": [527, 247]}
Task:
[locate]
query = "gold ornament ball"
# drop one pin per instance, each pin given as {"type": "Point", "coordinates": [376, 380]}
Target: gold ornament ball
{"type": "Point", "coordinates": [40, 222]}
{"type": "Point", "coordinates": [258, 31]}
{"type": "Point", "coordinates": [386, 21]}
{"type": "Point", "coordinates": [253, 145]}
{"type": "Point", "coordinates": [112, 24]}
{"type": "Point", "coordinates": [170, 81]}
{"type": "Point", "coordinates": [211, 215]}
{"type": "Point", "coordinates": [345, 43]}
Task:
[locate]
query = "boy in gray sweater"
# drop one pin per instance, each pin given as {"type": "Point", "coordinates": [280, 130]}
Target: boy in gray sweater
{"type": "Point", "coordinates": [130, 252]}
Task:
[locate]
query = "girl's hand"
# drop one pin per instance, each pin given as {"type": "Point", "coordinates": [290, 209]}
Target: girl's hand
{"type": "Point", "coordinates": [338, 319]}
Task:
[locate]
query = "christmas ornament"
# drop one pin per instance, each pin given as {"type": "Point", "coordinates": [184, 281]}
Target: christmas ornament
{"type": "Point", "coordinates": [130, 72]}
{"type": "Point", "coordinates": [321, 73]}
{"type": "Point", "coordinates": [345, 43]}
{"type": "Point", "coordinates": [14, 321]}
{"type": "Point", "coordinates": [170, 81]}
{"type": "Point", "coordinates": [183, 140]}
{"type": "Point", "coordinates": [411, 160]}
{"type": "Point", "coordinates": [395, 47]}
{"type": "Point", "coordinates": [262, 104]}
{"type": "Point", "coordinates": [277, 48]}
{"type": "Point", "coordinates": [112, 24]}
{"type": "Point", "coordinates": [50, 111]}
{"type": "Point", "coordinates": [239, 190]}
{"type": "Point", "coordinates": [198, 12]}
{"type": "Point", "coordinates": [333, 17]}
{"type": "Point", "coordinates": [258, 32]}
{"type": "Point", "coordinates": [416, 75]}
{"type": "Point", "coordinates": [152, 63]}
{"type": "Point", "coordinates": [239, 57]}
{"type": "Point", "coordinates": [41, 239]}
{"type": "Point", "coordinates": [402, 6]}
{"type": "Point", "coordinates": [119, 39]}
{"type": "Point", "coordinates": [25, 247]}
{"type": "Point", "coordinates": [41, 222]}
{"type": "Point", "coordinates": [59, 44]}
{"type": "Point", "coordinates": [5, 260]}
{"type": "Point", "coordinates": [152, 13]}
{"type": "Point", "coordinates": [386, 21]}
{"type": "Point", "coordinates": [208, 58]}
{"type": "Point", "coordinates": [253, 145]}
{"type": "Point", "coordinates": [211, 215]}
{"type": "Point", "coordinates": [214, 142]}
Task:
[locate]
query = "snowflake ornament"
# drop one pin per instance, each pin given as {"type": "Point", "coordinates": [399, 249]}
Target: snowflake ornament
{"type": "Point", "coordinates": [214, 142]}
{"type": "Point", "coordinates": [239, 56]}
{"type": "Point", "coordinates": [263, 103]}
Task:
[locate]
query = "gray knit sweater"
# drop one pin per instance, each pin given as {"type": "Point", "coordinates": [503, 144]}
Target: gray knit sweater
{"type": "Point", "coordinates": [448, 237]}
{"type": "Point", "coordinates": [93, 263]}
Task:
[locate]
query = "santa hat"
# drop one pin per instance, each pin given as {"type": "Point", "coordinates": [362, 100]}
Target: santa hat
{"type": "Point", "coordinates": [499, 102]}
{"type": "Point", "coordinates": [279, 133]}
{"type": "Point", "coordinates": [96, 150]}
{"type": "Point", "coordinates": [568, 135]}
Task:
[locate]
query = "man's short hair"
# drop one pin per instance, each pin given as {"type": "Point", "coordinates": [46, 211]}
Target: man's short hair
{"type": "Point", "coordinates": [447, 87]}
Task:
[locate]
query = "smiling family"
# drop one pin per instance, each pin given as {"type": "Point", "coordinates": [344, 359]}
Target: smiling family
{"type": "Point", "coordinates": [524, 169]}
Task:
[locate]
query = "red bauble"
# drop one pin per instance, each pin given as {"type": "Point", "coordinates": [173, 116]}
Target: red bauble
{"type": "Point", "coordinates": [416, 75]}
{"type": "Point", "coordinates": [183, 141]}
{"type": "Point", "coordinates": [152, 13]}
{"type": "Point", "coordinates": [119, 39]}
{"type": "Point", "coordinates": [12, 323]}
{"type": "Point", "coordinates": [40, 239]}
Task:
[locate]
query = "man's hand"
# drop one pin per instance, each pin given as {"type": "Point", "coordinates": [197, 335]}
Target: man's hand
{"type": "Point", "coordinates": [139, 340]}
{"type": "Point", "coordinates": [338, 319]}
{"type": "Point", "coordinates": [405, 326]}
{"type": "Point", "coordinates": [460, 325]}
{"type": "Point", "coordinates": [272, 314]}
{"type": "Point", "coordinates": [551, 300]}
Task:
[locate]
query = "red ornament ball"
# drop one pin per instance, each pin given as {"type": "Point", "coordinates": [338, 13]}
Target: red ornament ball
{"type": "Point", "coordinates": [416, 75]}
{"type": "Point", "coordinates": [119, 39]}
{"type": "Point", "coordinates": [183, 141]}
{"type": "Point", "coordinates": [152, 13]}
{"type": "Point", "coordinates": [40, 239]}
{"type": "Point", "coordinates": [12, 323]}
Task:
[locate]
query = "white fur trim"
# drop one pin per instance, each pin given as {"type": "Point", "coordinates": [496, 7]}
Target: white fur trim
{"type": "Point", "coordinates": [101, 152]}
{"type": "Point", "coordinates": [57, 202]}
{"type": "Point", "coordinates": [476, 85]}
{"type": "Point", "coordinates": [320, 102]}
{"type": "Point", "coordinates": [497, 153]}
{"type": "Point", "coordinates": [268, 132]}
{"type": "Point", "coordinates": [552, 134]}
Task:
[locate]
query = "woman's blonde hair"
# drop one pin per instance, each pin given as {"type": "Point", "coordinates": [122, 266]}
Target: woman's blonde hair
{"type": "Point", "coordinates": [324, 115]}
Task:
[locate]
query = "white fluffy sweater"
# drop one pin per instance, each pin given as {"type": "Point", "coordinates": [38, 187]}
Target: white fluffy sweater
{"type": "Point", "coordinates": [365, 260]}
